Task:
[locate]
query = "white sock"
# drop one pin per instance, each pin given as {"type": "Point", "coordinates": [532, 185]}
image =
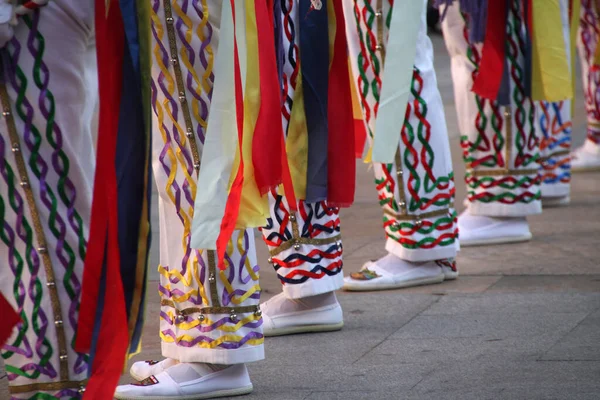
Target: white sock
{"type": "Point", "coordinates": [396, 265]}
{"type": "Point", "coordinates": [185, 372]}
{"type": "Point", "coordinates": [469, 221]}
{"type": "Point", "coordinates": [168, 363]}
{"type": "Point", "coordinates": [280, 304]}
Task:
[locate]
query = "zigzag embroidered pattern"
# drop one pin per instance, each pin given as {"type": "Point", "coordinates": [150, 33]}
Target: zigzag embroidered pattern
{"type": "Point", "coordinates": [64, 221]}
{"type": "Point", "coordinates": [493, 173]}
{"type": "Point", "coordinates": [556, 142]}
{"type": "Point", "coordinates": [181, 90]}
{"type": "Point", "coordinates": [308, 261]}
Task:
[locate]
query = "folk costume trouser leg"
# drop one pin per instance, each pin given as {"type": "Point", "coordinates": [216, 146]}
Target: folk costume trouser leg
{"type": "Point", "coordinates": [207, 315]}
{"type": "Point", "coordinates": [305, 248]}
{"type": "Point", "coordinates": [554, 124]}
{"type": "Point", "coordinates": [416, 191]}
{"type": "Point", "coordinates": [47, 163]}
{"type": "Point", "coordinates": [500, 143]}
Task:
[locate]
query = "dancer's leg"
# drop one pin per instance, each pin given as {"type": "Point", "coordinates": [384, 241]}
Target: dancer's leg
{"type": "Point", "coordinates": [47, 163]}
{"type": "Point", "coordinates": [417, 190]}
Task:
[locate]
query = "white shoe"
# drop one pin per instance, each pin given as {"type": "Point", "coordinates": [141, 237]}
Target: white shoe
{"type": "Point", "coordinates": [230, 381]}
{"type": "Point", "coordinates": [586, 158]}
{"type": "Point", "coordinates": [300, 317]}
{"type": "Point", "coordinates": [373, 277]}
{"type": "Point", "coordinates": [561, 201]}
{"type": "Point", "coordinates": [477, 230]}
{"type": "Point", "coordinates": [143, 369]}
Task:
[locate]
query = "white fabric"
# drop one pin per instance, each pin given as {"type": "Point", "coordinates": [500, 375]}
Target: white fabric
{"type": "Point", "coordinates": [282, 316]}
{"type": "Point", "coordinates": [419, 274]}
{"type": "Point", "coordinates": [6, 19]}
{"type": "Point", "coordinates": [70, 59]}
{"type": "Point", "coordinates": [220, 143]}
{"type": "Point", "coordinates": [189, 278]}
{"type": "Point", "coordinates": [480, 230]}
{"type": "Point", "coordinates": [141, 370]}
{"type": "Point", "coordinates": [280, 304]}
{"type": "Point", "coordinates": [416, 152]}
{"type": "Point", "coordinates": [463, 64]}
{"type": "Point", "coordinates": [395, 91]}
{"type": "Point", "coordinates": [586, 157]}
{"type": "Point", "coordinates": [230, 381]}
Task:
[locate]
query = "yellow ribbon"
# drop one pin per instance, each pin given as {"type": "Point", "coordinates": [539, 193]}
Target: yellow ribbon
{"type": "Point", "coordinates": [254, 208]}
{"type": "Point", "coordinates": [551, 76]}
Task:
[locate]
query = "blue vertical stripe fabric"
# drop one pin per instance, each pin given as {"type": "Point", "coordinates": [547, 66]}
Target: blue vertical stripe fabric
{"type": "Point", "coordinates": [133, 181]}
{"type": "Point", "coordinates": [314, 50]}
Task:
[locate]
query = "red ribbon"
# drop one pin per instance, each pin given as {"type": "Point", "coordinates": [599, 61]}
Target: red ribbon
{"type": "Point", "coordinates": [341, 167]}
{"type": "Point", "coordinates": [493, 58]}
{"type": "Point", "coordinates": [10, 319]}
{"type": "Point", "coordinates": [232, 207]}
{"type": "Point", "coordinates": [267, 143]}
{"type": "Point", "coordinates": [112, 343]}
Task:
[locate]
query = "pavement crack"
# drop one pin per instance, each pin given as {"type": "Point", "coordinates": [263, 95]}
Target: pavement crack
{"type": "Point", "coordinates": [435, 301]}
{"type": "Point", "coordinates": [540, 358]}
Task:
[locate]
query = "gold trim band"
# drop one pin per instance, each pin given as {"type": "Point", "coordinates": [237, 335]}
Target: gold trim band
{"type": "Point", "coordinates": [501, 172]}
{"type": "Point", "coordinates": [417, 217]}
{"type": "Point", "coordinates": [180, 85]}
{"type": "Point", "coordinates": [48, 387]}
{"type": "Point", "coordinates": [42, 248]}
{"type": "Point", "coordinates": [297, 241]}
{"type": "Point", "coordinates": [211, 310]}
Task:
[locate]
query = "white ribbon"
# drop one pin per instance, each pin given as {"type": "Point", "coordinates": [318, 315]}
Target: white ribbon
{"type": "Point", "coordinates": [401, 51]}
{"type": "Point", "coordinates": [220, 143]}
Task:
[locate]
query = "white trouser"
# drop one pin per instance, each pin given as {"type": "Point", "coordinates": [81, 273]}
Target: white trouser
{"type": "Point", "coordinates": [416, 192]}
{"type": "Point", "coordinates": [51, 92]}
{"type": "Point", "coordinates": [500, 143]}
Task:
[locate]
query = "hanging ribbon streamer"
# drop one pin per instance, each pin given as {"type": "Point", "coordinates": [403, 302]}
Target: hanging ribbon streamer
{"type": "Point", "coordinates": [10, 319]}
{"type": "Point", "coordinates": [341, 167]}
{"type": "Point", "coordinates": [551, 75]}
{"type": "Point", "coordinates": [401, 52]}
{"type": "Point", "coordinates": [493, 66]}
{"type": "Point", "coordinates": [220, 143]}
{"type": "Point", "coordinates": [112, 342]}
{"type": "Point", "coordinates": [575, 15]}
{"type": "Point", "coordinates": [314, 64]}
{"type": "Point", "coordinates": [254, 208]}
{"type": "Point", "coordinates": [297, 141]}
{"type": "Point", "coordinates": [232, 207]}
{"type": "Point", "coordinates": [267, 147]}
{"type": "Point", "coordinates": [360, 129]}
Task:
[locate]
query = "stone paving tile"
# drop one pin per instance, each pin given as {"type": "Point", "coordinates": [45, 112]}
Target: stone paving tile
{"type": "Point", "coordinates": [581, 344]}
{"type": "Point", "coordinates": [259, 394]}
{"type": "Point", "coordinates": [520, 380]}
{"type": "Point", "coordinates": [336, 378]}
{"type": "Point", "coordinates": [516, 303]}
{"type": "Point", "coordinates": [546, 284]}
{"type": "Point", "coordinates": [432, 350]}
{"type": "Point", "coordinates": [490, 326]}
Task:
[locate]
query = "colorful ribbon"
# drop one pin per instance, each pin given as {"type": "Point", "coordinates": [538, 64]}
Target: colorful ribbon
{"type": "Point", "coordinates": [401, 52]}
{"type": "Point", "coordinates": [341, 147]}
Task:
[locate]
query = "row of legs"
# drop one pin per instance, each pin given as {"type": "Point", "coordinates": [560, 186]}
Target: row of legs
{"type": "Point", "coordinates": [516, 156]}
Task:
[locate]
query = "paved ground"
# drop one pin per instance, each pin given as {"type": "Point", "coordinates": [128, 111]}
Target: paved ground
{"type": "Point", "coordinates": [522, 322]}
